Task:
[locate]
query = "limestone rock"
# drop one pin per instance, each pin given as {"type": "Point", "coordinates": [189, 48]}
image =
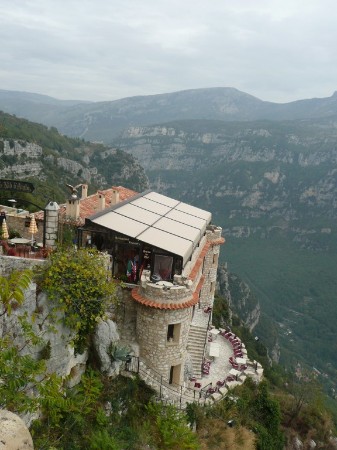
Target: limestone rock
{"type": "Point", "coordinates": [297, 443]}
{"type": "Point", "coordinates": [105, 336]}
{"type": "Point", "coordinates": [14, 435]}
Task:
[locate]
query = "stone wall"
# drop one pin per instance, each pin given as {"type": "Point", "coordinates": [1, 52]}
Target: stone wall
{"type": "Point", "coordinates": [126, 315]}
{"type": "Point", "coordinates": [210, 267]}
{"type": "Point", "coordinates": [10, 263]}
{"type": "Point", "coordinates": [18, 223]}
{"type": "Point", "coordinates": [175, 294]}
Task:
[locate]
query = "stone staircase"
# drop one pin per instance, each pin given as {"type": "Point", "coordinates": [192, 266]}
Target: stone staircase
{"type": "Point", "coordinates": [195, 347]}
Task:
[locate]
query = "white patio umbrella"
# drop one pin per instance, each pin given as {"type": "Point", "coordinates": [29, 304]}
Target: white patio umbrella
{"type": "Point", "coordinates": [4, 230]}
{"type": "Point", "coordinates": [32, 227]}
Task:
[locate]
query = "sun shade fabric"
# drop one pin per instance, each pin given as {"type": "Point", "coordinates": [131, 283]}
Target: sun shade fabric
{"type": "Point", "coordinates": [179, 229]}
{"type": "Point", "coordinates": [4, 229]}
{"type": "Point", "coordinates": [179, 216]}
{"type": "Point", "coordinates": [193, 211]}
{"type": "Point", "coordinates": [139, 214]}
{"type": "Point", "coordinates": [159, 221]}
{"type": "Point", "coordinates": [152, 206]}
{"type": "Point", "coordinates": [159, 198]}
{"type": "Point", "coordinates": [168, 242]}
{"type": "Point", "coordinates": [32, 226]}
{"type": "Point", "coordinates": [121, 224]}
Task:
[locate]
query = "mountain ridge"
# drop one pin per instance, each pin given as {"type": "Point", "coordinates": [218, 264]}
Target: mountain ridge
{"type": "Point", "coordinates": [103, 121]}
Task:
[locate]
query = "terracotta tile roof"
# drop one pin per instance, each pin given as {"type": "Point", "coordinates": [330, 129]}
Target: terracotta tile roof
{"type": "Point", "coordinates": [199, 262]}
{"type": "Point", "coordinates": [152, 304]}
{"type": "Point", "coordinates": [89, 205]}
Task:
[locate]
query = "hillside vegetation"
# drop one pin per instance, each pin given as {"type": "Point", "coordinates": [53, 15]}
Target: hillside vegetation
{"type": "Point", "coordinates": [33, 152]}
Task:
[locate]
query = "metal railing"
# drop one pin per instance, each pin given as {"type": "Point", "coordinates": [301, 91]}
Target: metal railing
{"type": "Point", "coordinates": [168, 392]}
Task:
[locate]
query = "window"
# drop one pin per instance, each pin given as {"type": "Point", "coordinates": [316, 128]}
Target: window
{"type": "Point", "coordinates": [215, 258]}
{"type": "Point", "coordinates": [170, 330]}
{"type": "Point", "coordinates": [173, 332]}
{"type": "Point", "coordinates": [163, 266]}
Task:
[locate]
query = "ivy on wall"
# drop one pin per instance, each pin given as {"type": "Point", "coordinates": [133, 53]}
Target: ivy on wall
{"type": "Point", "coordinates": [78, 282]}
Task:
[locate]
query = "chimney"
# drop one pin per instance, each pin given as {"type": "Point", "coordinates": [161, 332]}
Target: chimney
{"type": "Point", "coordinates": [84, 191]}
{"type": "Point", "coordinates": [114, 196]}
{"type": "Point", "coordinates": [73, 208]}
{"type": "Point", "coordinates": [101, 201]}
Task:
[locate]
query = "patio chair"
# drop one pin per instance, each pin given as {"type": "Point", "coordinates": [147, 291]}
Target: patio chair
{"type": "Point", "coordinates": [210, 391]}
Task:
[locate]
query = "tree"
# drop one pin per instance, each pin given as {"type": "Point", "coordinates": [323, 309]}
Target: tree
{"type": "Point", "coordinates": [79, 284]}
{"type": "Point", "coordinates": [12, 290]}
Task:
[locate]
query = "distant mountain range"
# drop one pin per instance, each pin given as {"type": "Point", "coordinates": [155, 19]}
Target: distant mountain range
{"type": "Point", "coordinates": [103, 121]}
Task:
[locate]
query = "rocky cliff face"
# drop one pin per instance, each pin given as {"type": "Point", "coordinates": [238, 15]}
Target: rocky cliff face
{"type": "Point", "coordinates": [272, 187]}
{"type": "Point", "coordinates": [244, 304]}
{"type": "Point", "coordinates": [20, 159]}
{"type": "Point", "coordinates": [241, 300]}
{"type": "Point", "coordinates": [56, 338]}
{"type": "Point", "coordinates": [250, 172]}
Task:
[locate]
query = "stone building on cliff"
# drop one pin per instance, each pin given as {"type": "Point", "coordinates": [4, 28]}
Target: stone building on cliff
{"type": "Point", "coordinates": [166, 252]}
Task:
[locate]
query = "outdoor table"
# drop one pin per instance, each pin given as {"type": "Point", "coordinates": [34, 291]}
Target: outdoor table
{"type": "Point", "coordinates": [214, 349]}
{"type": "Point", "coordinates": [234, 372]}
{"type": "Point", "coordinates": [214, 332]}
{"type": "Point", "coordinates": [19, 241]}
{"type": "Point", "coordinates": [241, 360]}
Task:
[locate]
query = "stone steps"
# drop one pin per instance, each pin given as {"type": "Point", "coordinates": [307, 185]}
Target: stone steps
{"type": "Point", "coordinates": [195, 347]}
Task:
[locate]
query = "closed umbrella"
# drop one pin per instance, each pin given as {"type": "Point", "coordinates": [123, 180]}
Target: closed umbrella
{"type": "Point", "coordinates": [4, 229]}
{"type": "Point", "coordinates": [32, 227]}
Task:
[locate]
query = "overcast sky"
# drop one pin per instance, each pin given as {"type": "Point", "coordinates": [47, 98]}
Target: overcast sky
{"type": "Point", "coordinates": [276, 50]}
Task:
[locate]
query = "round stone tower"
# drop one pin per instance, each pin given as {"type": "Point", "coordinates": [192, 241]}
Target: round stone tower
{"type": "Point", "coordinates": [164, 316]}
{"type": "Point", "coordinates": [165, 310]}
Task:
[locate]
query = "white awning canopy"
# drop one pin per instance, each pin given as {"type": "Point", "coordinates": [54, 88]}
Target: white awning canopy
{"type": "Point", "coordinates": [159, 221]}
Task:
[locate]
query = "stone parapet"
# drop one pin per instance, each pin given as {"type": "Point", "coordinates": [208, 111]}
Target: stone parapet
{"type": "Point", "coordinates": [213, 234]}
{"type": "Point", "coordinates": [10, 263]}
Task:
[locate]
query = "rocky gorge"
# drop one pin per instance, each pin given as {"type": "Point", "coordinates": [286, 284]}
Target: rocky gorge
{"type": "Point", "coordinates": [272, 186]}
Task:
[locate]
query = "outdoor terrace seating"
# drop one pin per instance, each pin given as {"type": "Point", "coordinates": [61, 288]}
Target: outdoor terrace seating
{"type": "Point", "coordinates": [220, 383]}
